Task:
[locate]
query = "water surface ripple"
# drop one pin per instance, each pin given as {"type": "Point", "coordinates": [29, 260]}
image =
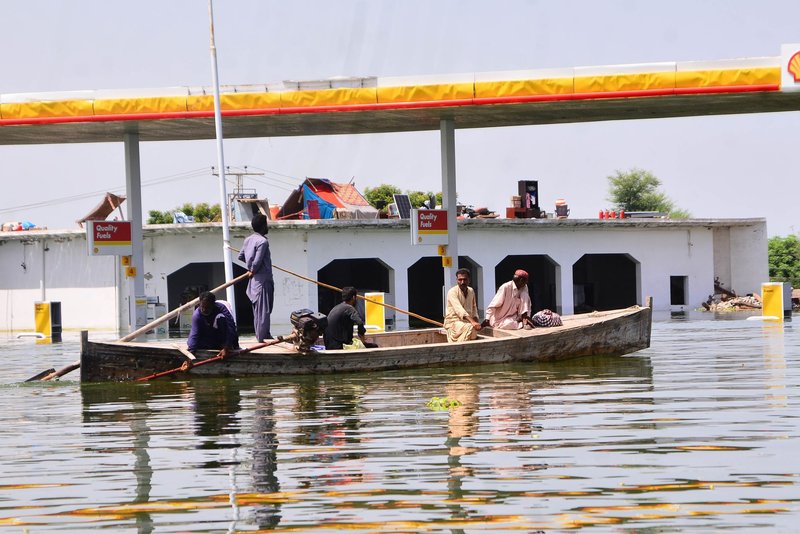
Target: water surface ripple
{"type": "Point", "coordinates": [699, 432]}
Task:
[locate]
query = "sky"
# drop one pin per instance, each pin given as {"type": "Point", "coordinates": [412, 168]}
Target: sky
{"type": "Point", "coordinates": [722, 166]}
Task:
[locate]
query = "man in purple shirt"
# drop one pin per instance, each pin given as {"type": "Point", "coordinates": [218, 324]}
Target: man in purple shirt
{"type": "Point", "coordinates": [261, 286]}
{"type": "Point", "coordinates": [213, 326]}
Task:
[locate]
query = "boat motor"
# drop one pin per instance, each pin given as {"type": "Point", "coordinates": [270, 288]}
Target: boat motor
{"type": "Point", "coordinates": [307, 326]}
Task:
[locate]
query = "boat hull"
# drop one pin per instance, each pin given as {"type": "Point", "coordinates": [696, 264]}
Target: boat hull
{"type": "Point", "coordinates": [611, 333]}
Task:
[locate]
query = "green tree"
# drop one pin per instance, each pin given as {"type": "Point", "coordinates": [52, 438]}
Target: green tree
{"type": "Point", "coordinates": [202, 212]}
{"type": "Point", "coordinates": [418, 197]}
{"type": "Point", "coordinates": [381, 195]}
{"type": "Point", "coordinates": [784, 259]}
{"type": "Point", "coordinates": [159, 217]}
{"type": "Point", "coordinates": [637, 190]}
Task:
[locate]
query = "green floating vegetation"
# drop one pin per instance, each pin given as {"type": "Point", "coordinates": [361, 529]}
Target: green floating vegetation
{"type": "Point", "coordinates": [443, 403]}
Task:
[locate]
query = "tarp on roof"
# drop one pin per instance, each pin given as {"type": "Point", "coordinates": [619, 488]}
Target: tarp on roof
{"type": "Point", "coordinates": [329, 200]}
{"type": "Point", "coordinates": [100, 212]}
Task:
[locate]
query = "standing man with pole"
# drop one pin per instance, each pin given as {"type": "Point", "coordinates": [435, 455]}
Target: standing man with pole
{"type": "Point", "coordinates": [261, 288]}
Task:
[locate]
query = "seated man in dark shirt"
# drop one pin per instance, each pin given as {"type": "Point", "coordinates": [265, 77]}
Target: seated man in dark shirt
{"type": "Point", "coordinates": [213, 326]}
{"type": "Point", "coordinates": [341, 320]}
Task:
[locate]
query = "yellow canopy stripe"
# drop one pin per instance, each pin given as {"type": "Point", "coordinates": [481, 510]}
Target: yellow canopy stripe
{"type": "Point", "coordinates": [625, 82]}
{"type": "Point", "coordinates": [547, 86]}
{"type": "Point", "coordinates": [115, 106]}
{"type": "Point", "coordinates": [33, 110]}
{"type": "Point", "coordinates": [329, 97]}
{"type": "Point", "coordinates": [439, 92]}
{"type": "Point", "coordinates": [235, 101]}
{"type": "Point", "coordinates": [727, 78]}
{"type": "Point", "coordinates": [426, 93]}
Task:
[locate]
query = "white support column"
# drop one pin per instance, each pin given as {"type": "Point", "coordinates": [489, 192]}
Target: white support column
{"type": "Point", "coordinates": [565, 292]}
{"type": "Point", "coordinates": [43, 283]}
{"type": "Point", "coordinates": [133, 189]}
{"type": "Point", "coordinates": [227, 258]}
{"type": "Point", "coordinates": [448, 150]}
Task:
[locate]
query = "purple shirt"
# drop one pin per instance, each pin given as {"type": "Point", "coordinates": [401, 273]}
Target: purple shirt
{"type": "Point", "coordinates": [256, 256]}
{"type": "Point", "coordinates": [217, 330]}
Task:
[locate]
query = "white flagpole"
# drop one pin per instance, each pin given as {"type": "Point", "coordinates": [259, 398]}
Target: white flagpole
{"type": "Point", "coordinates": [223, 193]}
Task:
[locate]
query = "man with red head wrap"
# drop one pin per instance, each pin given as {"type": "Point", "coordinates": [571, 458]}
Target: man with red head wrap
{"type": "Point", "coordinates": [511, 306]}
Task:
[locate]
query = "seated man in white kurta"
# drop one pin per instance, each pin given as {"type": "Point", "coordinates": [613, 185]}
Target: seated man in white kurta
{"type": "Point", "coordinates": [461, 315]}
{"type": "Point", "coordinates": [510, 308]}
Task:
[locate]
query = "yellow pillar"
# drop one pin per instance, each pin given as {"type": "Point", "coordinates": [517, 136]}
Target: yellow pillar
{"type": "Point", "coordinates": [41, 315]}
{"type": "Point", "coordinates": [772, 300]}
{"type": "Point", "coordinates": [375, 313]}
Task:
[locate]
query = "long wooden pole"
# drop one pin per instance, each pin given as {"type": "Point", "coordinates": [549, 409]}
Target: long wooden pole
{"type": "Point", "coordinates": [322, 284]}
{"type": "Point", "coordinates": [328, 286]}
{"type": "Point", "coordinates": [149, 326]}
{"type": "Point", "coordinates": [188, 365]}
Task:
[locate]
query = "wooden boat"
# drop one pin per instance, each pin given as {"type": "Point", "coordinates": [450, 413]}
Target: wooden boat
{"type": "Point", "coordinates": [613, 332]}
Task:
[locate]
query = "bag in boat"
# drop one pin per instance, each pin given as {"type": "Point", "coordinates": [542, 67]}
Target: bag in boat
{"type": "Point", "coordinates": [546, 318]}
{"type": "Point", "coordinates": [357, 345]}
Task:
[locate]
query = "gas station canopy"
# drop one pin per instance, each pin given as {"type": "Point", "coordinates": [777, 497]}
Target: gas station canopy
{"type": "Point", "coordinates": [396, 104]}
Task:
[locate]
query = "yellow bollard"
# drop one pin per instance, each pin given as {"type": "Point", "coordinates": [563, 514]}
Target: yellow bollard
{"type": "Point", "coordinates": [375, 313]}
{"type": "Point", "coordinates": [772, 301]}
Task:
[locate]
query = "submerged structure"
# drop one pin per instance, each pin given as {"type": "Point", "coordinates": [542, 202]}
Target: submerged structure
{"type": "Point", "coordinates": [575, 265]}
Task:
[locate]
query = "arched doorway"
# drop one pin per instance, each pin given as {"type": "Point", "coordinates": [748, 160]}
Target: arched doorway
{"type": "Point", "coordinates": [426, 293]}
{"type": "Point", "coordinates": [543, 281]}
{"type": "Point", "coordinates": [365, 274]}
{"type": "Point", "coordinates": [605, 282]}
{"type": "Point", "coordinates": [190, 280]}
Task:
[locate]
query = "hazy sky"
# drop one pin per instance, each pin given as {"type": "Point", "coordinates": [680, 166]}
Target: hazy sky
{"type": "Point", "coordinates": [723, 166]}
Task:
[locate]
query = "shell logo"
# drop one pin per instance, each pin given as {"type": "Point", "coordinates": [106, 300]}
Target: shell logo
{"type": "Point", "coordinates": [794, 66]}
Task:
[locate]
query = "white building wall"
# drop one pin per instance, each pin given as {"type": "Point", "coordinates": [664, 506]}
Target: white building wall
{"type": "Point", "coordinates": [392, 247]}
{"type": "Point", "coordinates": [750, 263]}
{"type": "Point", "coordinates": [687, 253]}
{"type": "Point", "coordinates": [57, 268]}
{"type": "Point", "coordinates": [722, 256]}
{"type": "Point", "coordinates": [661, 253]}
{"type": "Point", "coordinates": [93, 290]}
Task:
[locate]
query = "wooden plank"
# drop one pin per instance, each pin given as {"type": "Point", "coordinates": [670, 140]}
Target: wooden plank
{"type": "Point", "coordinates": [185, 352]}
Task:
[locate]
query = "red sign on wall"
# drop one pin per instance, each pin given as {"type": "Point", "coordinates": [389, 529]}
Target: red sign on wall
{"type": "Point", "coordinates": [429, 227]}
{"type": "Point", "coordinates": [109, 238]}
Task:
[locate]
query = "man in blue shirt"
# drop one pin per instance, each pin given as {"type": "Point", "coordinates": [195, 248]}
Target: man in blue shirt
{"type": "Point", "coordinates": [213, 326]}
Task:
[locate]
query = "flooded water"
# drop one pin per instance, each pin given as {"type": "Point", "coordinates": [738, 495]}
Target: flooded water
{"type": "Point", "coordinates": [700, 432]}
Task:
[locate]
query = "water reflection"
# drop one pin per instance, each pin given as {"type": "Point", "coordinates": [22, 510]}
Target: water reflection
{"type": "Point", "coordinates": [132, 410]}
{"type": "Point", "coordinates": [265, 459]}
{"type": "Point", "coordinates": [774, 350]}
{"type": "Point", "coordinates": [141, 466]}
{"type": "Point", "coordinates": [671, 438]}
{"type": "Point", "coordinates": [217, 404]}
{"type": "Point", "coordinates": [462, 423]}
{"type": "Point", "coordinates": [329, 431]}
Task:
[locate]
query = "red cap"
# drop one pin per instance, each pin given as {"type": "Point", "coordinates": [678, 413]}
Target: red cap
{"type": "Point", "coordinates": [521, 273]}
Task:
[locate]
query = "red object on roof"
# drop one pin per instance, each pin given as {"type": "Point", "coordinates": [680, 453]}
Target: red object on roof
{"type": "Point", "coordinates": [100, 212]}
{"type": "Point", "coordinates": [327, 200]}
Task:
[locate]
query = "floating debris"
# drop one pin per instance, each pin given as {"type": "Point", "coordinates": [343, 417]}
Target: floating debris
{"type": "Point", "coordinates": [749, 302]}
{"type": "Point", "coordinates": [727, 300]}
{"type": "Point", "coordinates": [443, 403]}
